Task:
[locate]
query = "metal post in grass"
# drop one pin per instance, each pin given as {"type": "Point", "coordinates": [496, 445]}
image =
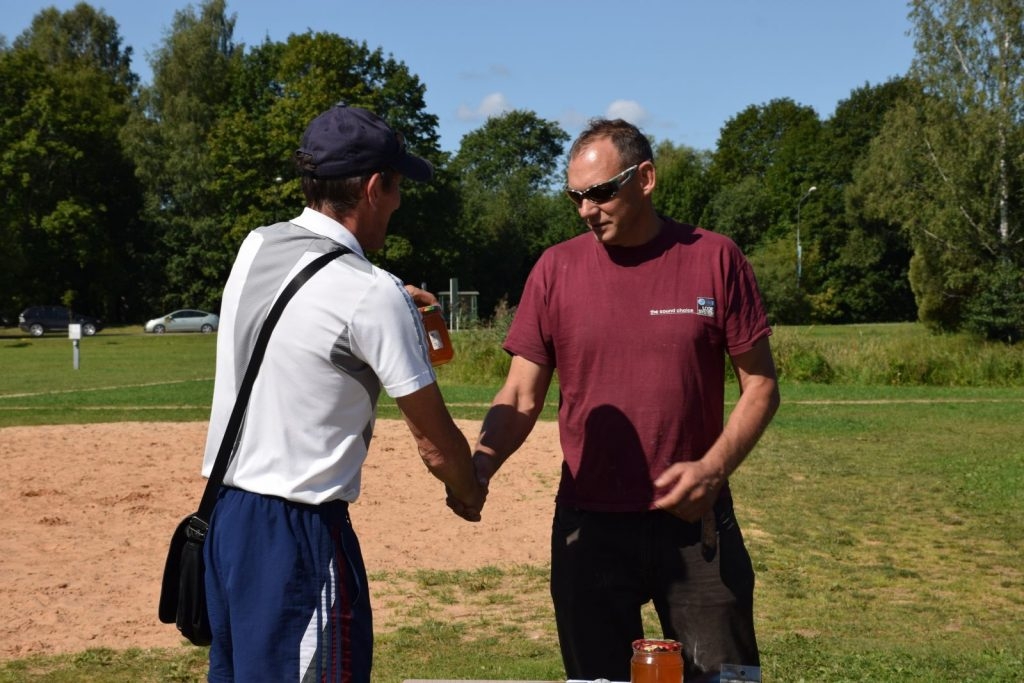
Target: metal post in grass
{"type": "Point", "coordinates": [75, 334]}
{"type": "Point", "coordinates": [799, 246]}
{"type": "Point", "coordinates": [453, 298]}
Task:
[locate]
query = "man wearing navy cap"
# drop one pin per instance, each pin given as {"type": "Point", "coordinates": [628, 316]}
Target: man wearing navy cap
{"type": "Point", "coordinates": [287, 591]}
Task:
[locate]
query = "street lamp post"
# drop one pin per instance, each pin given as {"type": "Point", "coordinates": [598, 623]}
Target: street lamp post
{"type": "Point", "coordinates": [799, 246]}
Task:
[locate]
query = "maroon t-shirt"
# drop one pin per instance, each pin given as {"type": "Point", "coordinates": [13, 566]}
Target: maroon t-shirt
{"type": "Point", "coordinates": [638, 337]}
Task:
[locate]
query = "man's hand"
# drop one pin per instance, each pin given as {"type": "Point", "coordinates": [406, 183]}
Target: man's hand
{"type": "Point", "coordinates": [692, 489]}
{"type": "Point", "coordinates": [471, 510]}
{"type": "Point", "coordinates": [485, 465]}
{"type": "Point", "coordinates": [443, 449]}
{"type": "Point", "coordinates": [421, 297]}
{"type": "Point", "coordinates": [693, 486]}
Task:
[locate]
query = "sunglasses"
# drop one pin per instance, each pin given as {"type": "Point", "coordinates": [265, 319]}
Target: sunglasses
{"type": "Point", "coordinates": [602, 192]}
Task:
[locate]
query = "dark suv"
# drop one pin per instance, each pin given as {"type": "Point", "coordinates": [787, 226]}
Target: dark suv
{"type": "Point", "coordinates": [38, 320]}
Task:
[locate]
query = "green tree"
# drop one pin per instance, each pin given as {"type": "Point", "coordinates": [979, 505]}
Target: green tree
{"type": "Point", "coordinates": [684, 188]}
{"type": "Point", "coordinates": [512, 206]}
{"type": "Point", "coordinates": [69, 222]}
{"type": "Point", "coordinates": [948, 166]}
{"type": "Point", "coordinates": [168, 139]}
{"type": "Point", "coordinates": [21, 75]}
{"type": "Point", "coordinates": [773, 266]}
{"type": "Point", "coordinates": [216, 134]}
{"type": "Point", "coordinates": [863, 261]}
{"type": "Point", "coordinates": [278, 89]}
{"type": "Point", "coordinates": [83, 37]}
{"type": "Point", "coordinates": [742, 210]}
{"type": "Point", "coordinates": [770, 150]}
{"type": "Point", "coordinates": [765, 160]}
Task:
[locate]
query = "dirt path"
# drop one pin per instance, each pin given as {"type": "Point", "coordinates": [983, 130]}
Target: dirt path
{"type": "Point", "coordinates": [86, 512]}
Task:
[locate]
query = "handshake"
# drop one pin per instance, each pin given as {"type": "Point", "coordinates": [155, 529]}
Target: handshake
{"type": "Point", "coordinates": [446, 454]}
{"type": "Point", "coordinates": [441, 444]}
{"type": "Point", "coordinates": [470, 506]}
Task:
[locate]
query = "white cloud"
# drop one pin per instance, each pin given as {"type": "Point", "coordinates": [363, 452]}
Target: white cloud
{"type": "Point", "coordinates": [572, 119]}
{"type": "Point", "coordinates": [628, 110]}
{"type": "Point", "coordinates": [494, 104]}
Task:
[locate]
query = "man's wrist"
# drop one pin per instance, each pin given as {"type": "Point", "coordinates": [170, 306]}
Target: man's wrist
{"type": "Point", "coordinates": [486, 464]}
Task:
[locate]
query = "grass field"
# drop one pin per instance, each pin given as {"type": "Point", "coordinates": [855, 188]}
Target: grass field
{"type": "Point", "coordinates": [885, 518]}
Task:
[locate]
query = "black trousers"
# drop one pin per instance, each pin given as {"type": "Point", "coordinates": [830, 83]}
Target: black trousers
{"type": "Point", "coordinates": [606, 565]}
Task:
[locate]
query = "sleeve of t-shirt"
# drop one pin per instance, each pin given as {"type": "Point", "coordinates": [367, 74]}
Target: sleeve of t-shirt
{"type": "Point", "coordinates": [529, 335]}
{"type": "Point", "coordinates": [388, 334]}
{"type": "Point", "coordinates": [746, 321]}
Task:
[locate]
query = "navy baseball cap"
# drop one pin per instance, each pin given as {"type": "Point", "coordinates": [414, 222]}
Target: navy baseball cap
{"type": "Point", "coordinates": [348, 141]}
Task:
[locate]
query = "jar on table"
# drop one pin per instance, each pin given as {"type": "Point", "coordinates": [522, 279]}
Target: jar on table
{"type": "Point", "coordinates": [656, 661]}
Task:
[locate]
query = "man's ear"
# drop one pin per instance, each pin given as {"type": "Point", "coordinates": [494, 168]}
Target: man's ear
{"type": "Point", "coordinates": [373, 188]}
{"type": "Point", "coordinates": [648, 176]}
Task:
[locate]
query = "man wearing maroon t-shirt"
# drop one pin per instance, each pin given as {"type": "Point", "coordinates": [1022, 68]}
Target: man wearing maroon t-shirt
{"type": "Point", "coordinates": [637, 317]}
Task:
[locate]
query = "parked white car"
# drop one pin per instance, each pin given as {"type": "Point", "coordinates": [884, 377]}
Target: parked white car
{"type": "Point", "coordinates": [185, 320]}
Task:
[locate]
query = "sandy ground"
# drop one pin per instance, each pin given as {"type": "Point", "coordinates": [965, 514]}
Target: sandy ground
{"type": "Point", "coordinates": [86, 512]}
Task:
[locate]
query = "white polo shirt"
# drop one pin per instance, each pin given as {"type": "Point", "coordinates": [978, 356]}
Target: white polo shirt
{"type": "Point", "coordinates": [348, 332]}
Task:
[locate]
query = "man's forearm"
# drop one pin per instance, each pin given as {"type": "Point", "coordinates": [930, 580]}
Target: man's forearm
{"type": "Point", "coordinates": [449, 461]}
{"type": "Point", "coordinates": [503, 431]}
{"type": "Point", "coordinates": [512, 416]}
{"type": "Point", "coordinates": [747, 422]}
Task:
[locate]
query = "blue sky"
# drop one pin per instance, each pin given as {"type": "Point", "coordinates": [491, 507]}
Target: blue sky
{"type": "Point", "coordinates": [680, 69]}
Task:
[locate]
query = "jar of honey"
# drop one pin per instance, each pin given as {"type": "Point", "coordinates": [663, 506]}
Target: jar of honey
{"type": "Point", "coordinates": [439, 343]}
{"type": "Point", "coordinates": [656, 661]}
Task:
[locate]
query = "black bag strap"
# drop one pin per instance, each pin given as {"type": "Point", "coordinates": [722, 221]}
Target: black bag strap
{"type": "Point", "coordinates": [227, 444]}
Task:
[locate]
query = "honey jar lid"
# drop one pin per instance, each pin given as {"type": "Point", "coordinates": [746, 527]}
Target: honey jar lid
{"type": "Point", "coordinates": [655, 645]}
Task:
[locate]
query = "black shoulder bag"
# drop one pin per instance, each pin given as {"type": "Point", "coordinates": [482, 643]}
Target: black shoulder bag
{"type": "Point", "coordinates": [183, 592]}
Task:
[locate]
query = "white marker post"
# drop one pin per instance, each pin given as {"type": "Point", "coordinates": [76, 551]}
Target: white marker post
{"type": "Point", "coordinates": [453, 303]}
{"type": "Point", "coordinates": [75, 335]}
